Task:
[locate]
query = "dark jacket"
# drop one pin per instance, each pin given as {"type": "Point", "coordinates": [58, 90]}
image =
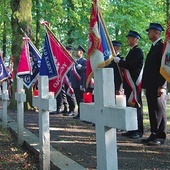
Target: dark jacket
{"type": "Point", "coordinates": [133, 63]}
{"type": "Point", "coordinates": [75, 83]}
{"type": "Point", "coordinates": [151, 75]}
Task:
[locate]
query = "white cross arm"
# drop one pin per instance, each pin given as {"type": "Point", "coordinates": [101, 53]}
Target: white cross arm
{"type": "Point", "coordinates": [87, 111]}
{"type": "Point", "coordinates": [114, 117]}
{"type": "Point", "coordinates": [35, 101]}
{"type": "Point", "coordinates": [120, 118]}
{"type": "Point", "coordinates": [5, 95]}
{"type": "Point", "coordinates": [49, 104]}
{"type": "Point", "coordinates": [45, 104]}
{"type": "Point", "coordinates": [20, 97]}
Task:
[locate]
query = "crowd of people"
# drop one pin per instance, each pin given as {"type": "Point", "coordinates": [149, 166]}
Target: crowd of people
{"type": "Point", "coordinates": [131, 75]}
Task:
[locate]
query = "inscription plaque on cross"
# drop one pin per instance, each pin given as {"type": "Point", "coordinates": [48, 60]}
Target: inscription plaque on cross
{"type": "Point", "coordinates": [20, 97]}
{"type": "Point", "coordinates": [107, 117]}
{"type": "Point", "coordinates": [45, 102]}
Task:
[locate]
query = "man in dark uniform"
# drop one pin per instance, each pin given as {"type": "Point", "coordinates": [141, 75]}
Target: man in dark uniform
{"type": "Point", "coordinates": [68, 92]}
{"type": "Point", "coordinates": [155, 84]}
{"type": "Point", "coordinates": [117, 71]}
{"type": "Point", "coordinates": [77, 77]}
{"type": "Point", "coordinates": [132, 66]}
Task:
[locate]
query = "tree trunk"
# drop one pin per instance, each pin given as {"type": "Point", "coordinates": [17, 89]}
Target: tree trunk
{"type": "Point", "coordinates": [21, 19]}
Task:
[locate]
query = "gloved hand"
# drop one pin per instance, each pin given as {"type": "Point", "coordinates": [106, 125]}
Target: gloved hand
{"type": "Point", "coordinates": [116, 59]}
{"type": "Point", "coordinates": [79, 66]}
{"type": "Point", "coordinates": [82, 89]}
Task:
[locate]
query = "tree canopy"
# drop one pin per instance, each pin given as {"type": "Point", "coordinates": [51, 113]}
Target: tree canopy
{"type": "Point", "coordinates": [69, 20]}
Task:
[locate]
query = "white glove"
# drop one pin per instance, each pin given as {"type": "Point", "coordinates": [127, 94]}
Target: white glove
{"type": "Point", "coordinates": [82, 89]}
{"type": "Point", "coordinates": [116, 59]}
{"type": "Point", "coordinates": [79, 66]}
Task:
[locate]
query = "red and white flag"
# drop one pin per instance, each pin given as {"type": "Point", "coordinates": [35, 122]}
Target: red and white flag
{"type": "Point", "coordinates": [165, 62]}
{"type": "Point", "coordinates": [100, 51]}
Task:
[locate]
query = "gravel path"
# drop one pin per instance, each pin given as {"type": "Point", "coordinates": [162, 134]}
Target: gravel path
{"type": "Point", "coordinates": [76, 139]}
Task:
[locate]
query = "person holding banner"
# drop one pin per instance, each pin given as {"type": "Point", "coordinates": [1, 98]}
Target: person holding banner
{"type": "Point", "coordinates": [155, 86]}
{"type": "Point", "coordinates": [132, 65]}
{"type": "Point", "coordinates": [117, 71]}
{"type": "Point", "coordinates": [77, 77]}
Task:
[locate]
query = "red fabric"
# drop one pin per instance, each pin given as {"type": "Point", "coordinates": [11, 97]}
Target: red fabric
{"type": "Point", "coordinates": [63, 63]}
{"type": "Point", "coordinates": [24, 65]}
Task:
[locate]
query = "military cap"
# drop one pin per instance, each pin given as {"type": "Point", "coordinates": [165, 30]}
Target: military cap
{"type": "Point", "coordinates": [116, 43]}
{"type": "Point", "coordinates": [133, 34]}
{"type": "Point", "coordinates": [69, 48]}
{"type": "Point", "coordinates": [81, 48]}
{"type": "Point", "coordinates": [155, 26]}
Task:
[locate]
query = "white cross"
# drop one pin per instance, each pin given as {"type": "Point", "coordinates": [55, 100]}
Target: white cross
{"type": "Point", "coordinates": [45, 102]}
{"type": "Point", "coordinates": [20, 97]}
{"type": "Point", "coordinates": [5, 98]}
{"type": "Point", "coordinates": [107, 118]}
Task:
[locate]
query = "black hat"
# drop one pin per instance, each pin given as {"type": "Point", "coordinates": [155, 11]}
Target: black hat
{"type": "Point", "coordinates": [69, 48]}
{"type": "Point", "coordinates": [155, 26]}
{"type": "Point", "coordinates": [116, 43]}
{"type": "Point", "coordinates": [133, 34]}
{"type": "Point", "coordinates": [81, 48]}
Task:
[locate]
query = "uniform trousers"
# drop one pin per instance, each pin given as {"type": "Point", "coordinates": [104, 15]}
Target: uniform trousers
{"type": "Point", "coordinates": [79, 98]}
{"type": "Point", "coordinates": [157, 113]}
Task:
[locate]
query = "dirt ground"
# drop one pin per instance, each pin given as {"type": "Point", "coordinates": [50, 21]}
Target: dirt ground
{"type": "Point", "coordinates": [76, 139]}
{"type": "Point", "coordinates": [14, 157]}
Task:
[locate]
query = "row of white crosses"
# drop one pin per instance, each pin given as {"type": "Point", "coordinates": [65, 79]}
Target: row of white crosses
{"type": "Point", "coordinates": [104, 113]}
{"type": "Point", "coordinates": [45, 102]}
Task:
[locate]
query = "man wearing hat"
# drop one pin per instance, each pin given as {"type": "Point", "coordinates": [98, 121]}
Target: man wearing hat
{"type": "Point", "coordinates": [132, 66]}
{"type": "Point", "coordinates": [117, 71]}
{"type": "Point", "coordinates": [155, 85]}
{"type": "Point", "coordinates": [77, 77]}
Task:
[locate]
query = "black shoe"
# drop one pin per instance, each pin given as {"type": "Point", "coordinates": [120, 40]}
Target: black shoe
{"type": "Point", "coordinates": [68, 114]}
{"type": "Point", "coordinates": [152, 137]}
{"type": "Point", "coordinates": [136, 136]}
{"type": "Point", "coordinates": [155, 143]}
{"type": "Point", "coordinates": [127, 134]}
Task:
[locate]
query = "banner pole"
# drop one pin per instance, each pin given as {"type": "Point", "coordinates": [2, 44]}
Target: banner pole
{"type": "Point", "coordinates": [47, 27]}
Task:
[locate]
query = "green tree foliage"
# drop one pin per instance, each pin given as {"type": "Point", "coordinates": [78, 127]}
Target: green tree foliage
{"type": "Point", "coordinates": [69, 20]}
{"type": "Point", "coordinates": [5, 28]}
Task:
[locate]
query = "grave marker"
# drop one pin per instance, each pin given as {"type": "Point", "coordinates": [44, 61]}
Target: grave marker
{"type": "Point", "coordinates": [107, 117]}
{"type": "Point", "coordinates": [5, 98]}
{"type": "Point", "coordinates": [45, 102]}
{"type": "Point", "coordinates": [20, 97]}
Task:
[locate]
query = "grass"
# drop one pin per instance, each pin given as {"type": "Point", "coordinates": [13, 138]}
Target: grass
{"type": "Point", "coordinates": [146, 116]}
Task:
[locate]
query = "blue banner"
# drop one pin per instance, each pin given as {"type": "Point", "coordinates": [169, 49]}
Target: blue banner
{"type": "Point", "coordinates": [48, 66]}
{"type": "Point", "coordinates": [28, 79]}
{"type": "Point", "coordinates": [3, 72]}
